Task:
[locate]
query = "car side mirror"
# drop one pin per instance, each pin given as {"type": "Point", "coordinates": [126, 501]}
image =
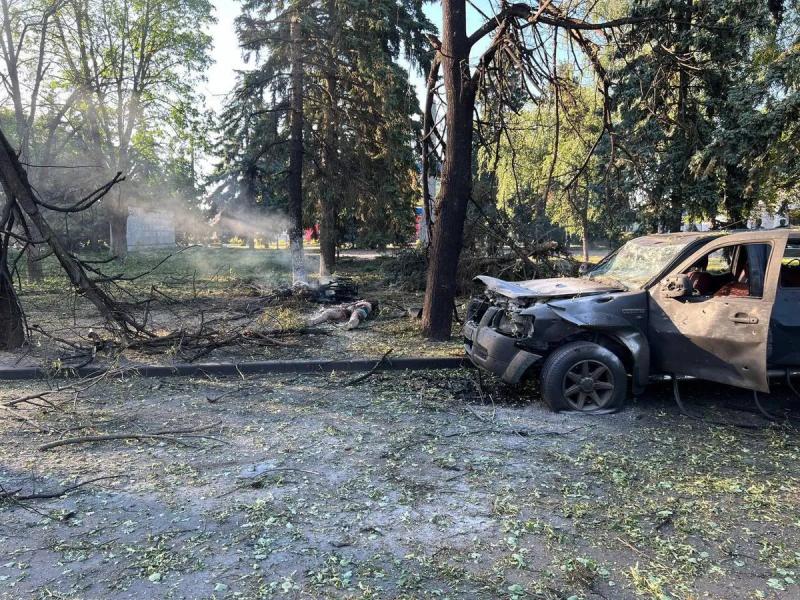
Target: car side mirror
{"type": "Point", "coordinates": [583, 269]}
{"type": "Point", "coordinates": [677, 286]}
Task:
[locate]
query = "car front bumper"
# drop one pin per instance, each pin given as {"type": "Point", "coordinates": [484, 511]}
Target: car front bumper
{"type": "Point", "coordinates": [492, 351]}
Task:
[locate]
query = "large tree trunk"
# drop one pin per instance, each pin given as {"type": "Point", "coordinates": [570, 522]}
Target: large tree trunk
{"type": "Point", "coordinates": [33, 259]}
{"type": "Point", "coordinates": [329, 198]}
{"type": "Point", "coordinates": [456, 187]}
{"type": "Point", "coordinates": [118, 226]}
{"type": "Point", "coordinates": [295, 208]}
{"type": "Point", "coordinates": [12, 330]}
{"type": "Point", "coordinates": [585, 239]}
{"type": "Point", "coordinates": [427, 156]}
{"type": "Point", "coordinates": [327, 234]}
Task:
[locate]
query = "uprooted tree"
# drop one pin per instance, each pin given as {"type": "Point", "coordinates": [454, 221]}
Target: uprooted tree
{"type": "Point", "coordinates": [525, 48]}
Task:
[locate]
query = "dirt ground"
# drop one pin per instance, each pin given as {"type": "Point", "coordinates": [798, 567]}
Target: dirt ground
{"type": "Point", "coordinates": [226, 291]}
{"type": "Point", "coordinates": [415, 485]}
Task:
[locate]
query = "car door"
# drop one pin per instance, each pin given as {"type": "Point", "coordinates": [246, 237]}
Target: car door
{"type": "Point", "coordinates": [784, 350]}
{"type": "Point", "coordinates": [722, 338]}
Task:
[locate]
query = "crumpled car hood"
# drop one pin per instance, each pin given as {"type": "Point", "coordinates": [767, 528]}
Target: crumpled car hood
{"type": "Point", "coordinates": [559, 287]}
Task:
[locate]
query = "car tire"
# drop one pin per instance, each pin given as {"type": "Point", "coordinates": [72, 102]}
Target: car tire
{"type": "Point", "coordinates": [584, 377]}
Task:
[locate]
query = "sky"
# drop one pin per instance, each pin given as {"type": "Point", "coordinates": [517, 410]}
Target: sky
{"type": "Point", "coordinates": [228, 58]}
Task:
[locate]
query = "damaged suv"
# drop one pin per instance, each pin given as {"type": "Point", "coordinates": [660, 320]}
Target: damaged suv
{"type": "Point", "coordinates": [710, 305]}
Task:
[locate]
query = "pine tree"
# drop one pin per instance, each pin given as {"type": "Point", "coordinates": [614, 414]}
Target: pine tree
{"type": "Point", "coordinates": [358, 109]}
{"type": "Point", "coordinates": [715, 104]}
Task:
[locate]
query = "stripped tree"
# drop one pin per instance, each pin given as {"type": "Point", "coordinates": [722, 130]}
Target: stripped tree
{"type": "Point", "coordinates": [525, 40]}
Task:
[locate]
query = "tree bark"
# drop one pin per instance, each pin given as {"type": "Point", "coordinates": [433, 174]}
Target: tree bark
{"type": "Point", "coordinates": [327, 234]}
{"type": "Point", "coordinates": [585, 240]}
{"type": "Point", "coordinates": [12, 331]}
{"type": "Point", "coordinates": [118, 227]}
{"type": "Point", "coordinates": [295, 187]}
{"type": "Point", "coordinates": [427, 155]}
{"type": "Point", "coordinates": [33, 256]}
{"type": "Point", "coordinates": [456, 185]}
{"type": "Point", "coordinates": [329, 205]}
{"type": "Point", "coordinates": [329, 200]}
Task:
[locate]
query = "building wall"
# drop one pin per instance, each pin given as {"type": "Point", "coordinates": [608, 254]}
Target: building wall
{"type": "Point", "coordinates": [150, 229]}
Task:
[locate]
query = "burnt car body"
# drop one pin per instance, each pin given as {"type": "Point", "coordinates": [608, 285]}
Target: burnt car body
{"type": "Point", "coordinates": [709, 305]}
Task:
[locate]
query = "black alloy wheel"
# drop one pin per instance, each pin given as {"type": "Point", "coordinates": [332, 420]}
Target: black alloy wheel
{"type": "Point", "coordinates": [584, 377]}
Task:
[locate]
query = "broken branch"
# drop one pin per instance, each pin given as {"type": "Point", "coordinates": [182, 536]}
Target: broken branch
{"type": "Point", "coordinates": [88, 439]}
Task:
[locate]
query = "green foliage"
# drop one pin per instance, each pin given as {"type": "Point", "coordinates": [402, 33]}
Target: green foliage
{"type": "Point", "coordinates": [112, 90]}
{"type": "Point", "coordinates": [143, 59]}
{"type": "Point", "coordinates": [359, 139]}
{"type": "Point", "coordinates": [708, 109]}
{"type": "Point", "coordinates": [547, 173]}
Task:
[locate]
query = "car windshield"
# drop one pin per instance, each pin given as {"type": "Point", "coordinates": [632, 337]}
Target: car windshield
{"type": "Point", "coordinates": [638, 261]}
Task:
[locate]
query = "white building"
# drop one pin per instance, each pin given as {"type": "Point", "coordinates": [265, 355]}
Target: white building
{"type": "Point", "coordinates": [150, 229]}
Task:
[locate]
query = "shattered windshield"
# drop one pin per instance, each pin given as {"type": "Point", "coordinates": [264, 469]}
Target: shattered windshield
{"type": "Point", "coordinates": [638, 261]}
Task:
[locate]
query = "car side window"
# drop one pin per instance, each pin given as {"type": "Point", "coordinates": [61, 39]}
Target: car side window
{"type": "Point", "coordinates": [736, 270]}
{"type": "Point", "coordinates": [720, 261]}
{"type": "Point", "coordinates": [790, 265]}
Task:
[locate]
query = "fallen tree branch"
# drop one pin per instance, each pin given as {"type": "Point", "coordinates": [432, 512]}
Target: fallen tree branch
{"type": "Point", "coordinates": [15, 495]}
{"type": "Point", "coordinates": [15, 184]}
{"type": "Point", "coordinates": [369, 373]}
{"type": "Point", "coordinates": [88, 439]}
{"type": "Point", "coordinates": [29, 400]}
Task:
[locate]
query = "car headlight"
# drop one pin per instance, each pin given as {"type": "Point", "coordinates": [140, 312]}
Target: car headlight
{"type": "Point", "coordinates": [514, 324]}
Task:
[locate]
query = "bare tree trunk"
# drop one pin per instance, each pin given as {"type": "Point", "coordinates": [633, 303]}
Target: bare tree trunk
{"type": "Point", "coordinates": [585, 236]}
{"type": "Point", "coordinates": [12, 330]}
{"type": "Point", "coordinates": [118, 226]}
{"type": "Point", "coordinates": [329, 198]}
{"type": "Point", "coordinates": [427, 153]}
{"type": "Point", "coordinates": [327, 235]}
{"type": "Point", "coordinates": [456, 188]}
{"type": "Point", "coordinates": [33, 255]}
{"type": "Point", "coordinates": [295, 208]}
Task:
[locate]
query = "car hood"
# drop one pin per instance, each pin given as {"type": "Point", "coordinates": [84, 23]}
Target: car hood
{"type": "Point", "coordinates": [560, 287]}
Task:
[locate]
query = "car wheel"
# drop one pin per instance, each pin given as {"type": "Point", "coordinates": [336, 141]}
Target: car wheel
{"type": "Point", "coordinates": [584, 377]}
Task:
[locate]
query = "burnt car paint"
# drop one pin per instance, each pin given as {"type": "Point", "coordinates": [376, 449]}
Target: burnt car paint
{"type": "Point", "coordinates": [544, 288]}
{"type": "Point", "coordinates": [721, 339]}
{"type": "Point", "coordinates": [649, 330]}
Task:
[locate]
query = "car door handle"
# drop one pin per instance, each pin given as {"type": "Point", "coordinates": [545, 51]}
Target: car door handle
{"type": "Point", "coordinates": [743, 318]}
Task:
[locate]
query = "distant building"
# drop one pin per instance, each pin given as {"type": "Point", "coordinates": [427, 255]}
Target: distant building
{"type": "Point", "coordinates": [762, 218]}
{"type": "Point", "coordinates": [150, 229]}
{"type": "Point", "coordinates": [767, 220]}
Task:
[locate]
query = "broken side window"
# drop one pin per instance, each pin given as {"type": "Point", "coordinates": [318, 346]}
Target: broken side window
{"type": "Point", "coordinates": [736, 270]}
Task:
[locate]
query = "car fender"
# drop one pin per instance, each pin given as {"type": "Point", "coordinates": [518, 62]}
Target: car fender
{"type": "Point", "coordinates": [622, 317]}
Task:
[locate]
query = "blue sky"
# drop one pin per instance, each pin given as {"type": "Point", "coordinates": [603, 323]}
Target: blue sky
{"type": "Point", "coordinates": [228, 58]}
